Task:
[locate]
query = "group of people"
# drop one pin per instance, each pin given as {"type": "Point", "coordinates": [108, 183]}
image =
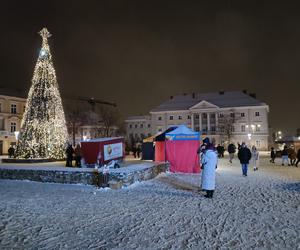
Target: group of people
{"type": "Point", "coordinates": [288, 155]}
{"type": "Point", "coordinates": [73, 154]}
{"type": "Point", "coordinates": [209, 161]}
{"type": "Point", "coordinates": [136, 150]}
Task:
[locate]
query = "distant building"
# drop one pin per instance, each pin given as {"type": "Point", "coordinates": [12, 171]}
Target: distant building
{"type": "Point", "coordinates": [138, 128]}
{"type": "Point", "coordinates": [212, 114]}
{"type": "Point", "coordinates": [11, 112]}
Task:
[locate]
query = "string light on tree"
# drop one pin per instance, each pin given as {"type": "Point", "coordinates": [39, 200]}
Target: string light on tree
{"type": "Point", "coordinates": [43, 131]}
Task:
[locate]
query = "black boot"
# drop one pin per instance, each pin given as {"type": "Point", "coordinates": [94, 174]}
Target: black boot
{"type": "Point", "coordinates": [209, 194]}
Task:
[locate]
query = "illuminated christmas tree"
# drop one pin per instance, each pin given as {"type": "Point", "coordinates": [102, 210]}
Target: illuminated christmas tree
{"type": "Point", "coordinates": [43, 131]}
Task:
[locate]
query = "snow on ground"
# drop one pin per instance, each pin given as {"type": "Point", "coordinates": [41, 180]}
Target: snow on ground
{"type": "Point", "coordinates": [260, 211]}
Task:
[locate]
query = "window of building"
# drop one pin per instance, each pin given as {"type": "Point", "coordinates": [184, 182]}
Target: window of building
{"type": "Point", "coordinates": [213, 128]}
{"type": "Point", "coordinates": [13, 127]}
{"type": "Point", "coordinates": [0, 107]}
{"type": "Point", "coordinates": [13, 108]}
{"type": "Point", "coordinates": [257, 113]}
{"type": "Point", "coordinates": [179, 117]}
{"type": "Point", "coordinates": [141, 126]}
{"type": "Point", "coordinates": [149, 125]}
{"type": "Point", "coordinates": [243, 128]}
{"type": "Point", "coordinates": [189, 117]}
{"type": "Point", "coordinates": [242, 114]}
{"type": "Point", "coordinates": [130, 126]}
{"type": "Point", "coordinates": [257, 128]}
{"type": "Point", "coordinates": [221, 115]}
{"type": "Point", "coordinates": [257, 144]}
{"type": "Point", "coordinates": [204, 115]}
{"type": "Point", "coordinates": [232, 128]}
{"type": "Point", "coordinates": [232, 115]}
{"type": "Point", "coordinates": [159, 118]}
{"type": "Point", "coordinates": [171, 117]}
{"type": "Point", "coordinates": [213, 115]}
{"type": "Point", "coordinates": [24, 107]}
{"type": "Point", "coordinates": [197, 116]}
{"type": "Point", "coordinates": [135, 125]}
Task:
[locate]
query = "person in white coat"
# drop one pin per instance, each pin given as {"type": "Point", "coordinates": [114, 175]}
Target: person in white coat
{"type": "Point", "coordinates": [254, 158]}
{"type": "Point", "coordinates": [209, 161]}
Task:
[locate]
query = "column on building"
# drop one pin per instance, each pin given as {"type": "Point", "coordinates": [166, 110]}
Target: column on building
{"type": "Point", "coordinates": [208, 122]}
{"type": "Point", "coordinates": [200, 121]}
{"type": "Point", "coordinates": [217, 122]}
{"type": "Point", "coordinates": [192, 121]}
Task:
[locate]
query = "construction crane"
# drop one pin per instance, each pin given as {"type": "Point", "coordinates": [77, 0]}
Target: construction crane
{"type": "Point", "coordinates": [92, 101]}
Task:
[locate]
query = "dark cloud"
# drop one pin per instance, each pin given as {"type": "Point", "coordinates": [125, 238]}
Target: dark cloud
{"type": "Point", "coordinates": [138, 53]}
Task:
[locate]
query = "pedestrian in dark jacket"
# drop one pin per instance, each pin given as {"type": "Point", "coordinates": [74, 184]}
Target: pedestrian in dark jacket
{"type": "Point", "coordinates": [77, 152]}
{"type": "Point", "coordinates": [69, 153]}
{"type": "Point", "coordinates": [244, 156]}
{"type": "Point", "coordinates": [285, 156]}
{"type": "Point", "coordinates": [292, 155]}
{"type": "Point", "coordinates": [273, 155]}
{"type": "Point", "coordinates": [298, 157]}
{"type": "Point", "coordinates": [11, 151]}
{"type": "Point", "coordinates": [231, 151]}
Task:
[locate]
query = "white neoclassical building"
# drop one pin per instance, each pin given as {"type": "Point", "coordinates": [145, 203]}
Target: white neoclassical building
{"type": "Point", "coordinates": [211, 114]}
{"type": "Point", "coordinates": [11, 112]}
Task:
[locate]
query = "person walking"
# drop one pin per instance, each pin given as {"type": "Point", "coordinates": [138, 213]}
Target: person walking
{"type": "Point", "coordinates": [231, 151]}
{"type": "Point", "coordinates": [285, 155]}
{"type": "Point", "coordinates": [77, 152]}
{"type": "Point", "coordinates": [292, 155]}
{"type": "Point", "coordinates": [209, 161]}
{"type": "Point", "coordinates": [219, 150]}
{"type": "Point", "coordinates": [298, 157]}
{"type": "Point", "coordinates": [11, 151]}
{"type": "Point", "coordinates": [69, 153]}
{"type": "Point", "coordinates": [273, 155]}
{"type": "Point", "coordinates": [244, 156]}
{"type": "Point", "coordinates": [255, 158]}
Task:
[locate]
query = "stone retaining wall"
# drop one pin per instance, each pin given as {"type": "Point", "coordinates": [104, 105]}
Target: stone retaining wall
{"type": "Point", "coordinates": [115, 180]}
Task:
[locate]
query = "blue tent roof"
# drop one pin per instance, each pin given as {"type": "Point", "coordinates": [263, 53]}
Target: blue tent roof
{"type": "Point", "coordinates": [183, 133]}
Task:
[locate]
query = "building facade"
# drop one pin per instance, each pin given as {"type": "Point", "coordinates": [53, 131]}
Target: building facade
{"type": "Point", "coordinates": [138, 128]}
{"type": "Point", "coordinates": [224, 117]}
{"type": "Point", "coordinates": [11, 113]}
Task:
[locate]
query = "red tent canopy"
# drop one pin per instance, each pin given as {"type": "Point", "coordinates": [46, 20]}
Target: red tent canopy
{"type": "Point", "coordinates": [181, 150]}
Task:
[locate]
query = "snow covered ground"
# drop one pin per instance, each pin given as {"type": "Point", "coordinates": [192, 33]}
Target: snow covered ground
{"type": "Point", "coordinates": [261, 211]}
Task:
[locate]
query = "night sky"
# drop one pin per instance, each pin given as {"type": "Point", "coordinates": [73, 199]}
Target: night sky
{"type": "Point", "coordinates": [138, 53]}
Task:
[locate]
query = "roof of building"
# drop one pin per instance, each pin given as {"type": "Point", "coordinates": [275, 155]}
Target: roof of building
{"type": "Point", "coordinates": [222, 99]}
{"type": "Point", "coordinates": [13, 92]}
{"type": "Point", "coordinates": [138, 117]}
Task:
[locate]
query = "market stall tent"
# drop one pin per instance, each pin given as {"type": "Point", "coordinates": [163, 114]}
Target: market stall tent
{"type": "Point", "coordinates": [181, 150]}
{"type": "Point", "coordinates": [160, 142]}
{"type": "Point", "coordinates": [148, 148]}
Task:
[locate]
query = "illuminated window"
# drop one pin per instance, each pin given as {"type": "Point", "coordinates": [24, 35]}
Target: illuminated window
{"type": "Point", "coordinates": [257, 128]}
